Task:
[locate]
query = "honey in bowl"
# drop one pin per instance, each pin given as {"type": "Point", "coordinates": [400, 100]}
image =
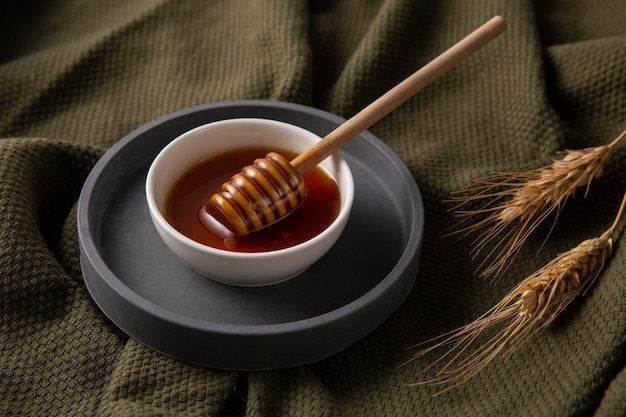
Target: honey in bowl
{"type": "Point", "coordinates": [194, 188]}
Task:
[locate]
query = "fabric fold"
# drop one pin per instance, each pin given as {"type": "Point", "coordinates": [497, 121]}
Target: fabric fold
{"type": "Point", "coordinates": [76, 77]}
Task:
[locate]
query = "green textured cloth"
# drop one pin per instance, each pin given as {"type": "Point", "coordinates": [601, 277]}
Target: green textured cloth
{"type": "Point", "coordinates": [76, 76]}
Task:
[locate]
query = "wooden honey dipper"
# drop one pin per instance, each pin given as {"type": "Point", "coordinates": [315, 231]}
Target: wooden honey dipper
{"type": "Point", "coordinates": [272, 187]}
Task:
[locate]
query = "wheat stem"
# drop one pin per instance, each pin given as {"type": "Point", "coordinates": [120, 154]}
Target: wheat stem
{"type": "Point", "coordinates": [513, 204]}
{"type": "Point", "coordinates": [527, 309]}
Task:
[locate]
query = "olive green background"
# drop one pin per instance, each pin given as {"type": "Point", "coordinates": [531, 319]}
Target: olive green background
{"type": "Point", "coordinates": [76, 76]}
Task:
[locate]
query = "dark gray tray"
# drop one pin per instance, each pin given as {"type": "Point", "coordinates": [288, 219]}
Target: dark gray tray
{"type": "Point", "coordinates": [156, 299]}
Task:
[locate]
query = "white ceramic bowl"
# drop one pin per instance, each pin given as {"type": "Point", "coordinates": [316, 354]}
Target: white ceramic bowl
{"type": "Point", "coordinates": [237, 268]}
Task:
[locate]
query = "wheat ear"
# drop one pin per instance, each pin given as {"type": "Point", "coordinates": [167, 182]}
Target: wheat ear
{"type": "Point", "coordinates": [515, 203]}
{"type": "Point", "coordinates": [530, 307]}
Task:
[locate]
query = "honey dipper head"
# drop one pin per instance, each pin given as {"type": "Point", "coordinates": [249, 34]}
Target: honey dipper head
{"type": "Point", "coordinates": [258, 196]}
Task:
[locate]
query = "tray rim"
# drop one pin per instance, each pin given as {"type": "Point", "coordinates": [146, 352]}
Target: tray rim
{"type": "Point", "coordinates": [91, 252]}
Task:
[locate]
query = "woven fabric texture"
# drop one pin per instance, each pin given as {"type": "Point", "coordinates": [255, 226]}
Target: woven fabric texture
{"type": "Point", "coordinates": [76, 76]}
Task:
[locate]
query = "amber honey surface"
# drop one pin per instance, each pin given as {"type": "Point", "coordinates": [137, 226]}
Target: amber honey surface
{"type": "Point", "coordinates": [195, 187]}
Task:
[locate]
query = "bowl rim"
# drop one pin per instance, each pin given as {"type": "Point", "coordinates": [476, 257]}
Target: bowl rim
{"type": "Point", "coordinates": [156, 214]}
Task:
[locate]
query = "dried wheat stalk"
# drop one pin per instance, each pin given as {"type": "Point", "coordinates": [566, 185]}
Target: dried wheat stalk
{"type": "Point", "coordinates": [515, 203]}
{"type": "Point", "coordinates": [525, 310]}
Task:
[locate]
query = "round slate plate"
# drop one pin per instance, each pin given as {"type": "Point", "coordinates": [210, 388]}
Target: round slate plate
{"type": "Point", "coordinates": [156, 299]}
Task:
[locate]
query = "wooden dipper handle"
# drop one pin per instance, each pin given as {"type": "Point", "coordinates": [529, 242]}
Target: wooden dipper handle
{"type": "Point", "coordinates": [398, 94]}
{"type": "Point", "coordinates": [273, 186]}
